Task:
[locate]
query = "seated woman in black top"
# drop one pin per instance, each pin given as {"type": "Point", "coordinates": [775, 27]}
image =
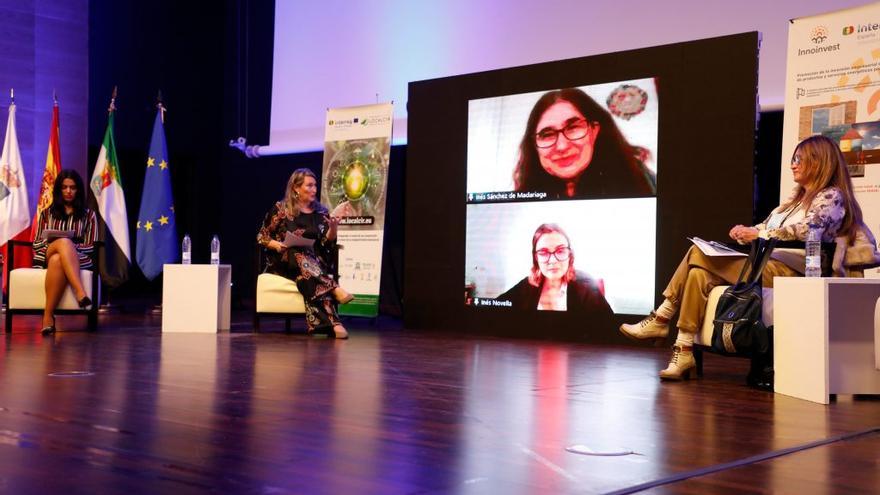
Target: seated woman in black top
{"type": "Point", "coordinates": [63, 257]}
{"type": "Point", "coordinates": [553, 284]}
{"type": "Point", "coordinates": [299, 213]}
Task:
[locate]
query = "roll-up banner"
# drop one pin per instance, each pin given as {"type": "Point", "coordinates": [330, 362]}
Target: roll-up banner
{"type": "Point", "coordinates": [357, 146]}
{"type": "Point", "coordinates": [833, 89]}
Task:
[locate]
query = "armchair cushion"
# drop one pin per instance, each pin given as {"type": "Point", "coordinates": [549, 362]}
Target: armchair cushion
{"type": "Point", "coordinates": [27, 289]}
{"type": "Point", "coordinates": [852, 261]}
{"type": "Point", "coordinates": [276, 294]}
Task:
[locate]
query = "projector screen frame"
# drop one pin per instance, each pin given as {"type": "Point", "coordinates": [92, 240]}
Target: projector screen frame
{"type": "Point", "coordinates": [706, 144]}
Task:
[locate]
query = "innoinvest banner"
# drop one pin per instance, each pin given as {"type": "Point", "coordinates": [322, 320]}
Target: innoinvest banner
{"type": "Point", "coordinates": [357, 146]}
{"type": "Point", "coordinates": [833, 89]}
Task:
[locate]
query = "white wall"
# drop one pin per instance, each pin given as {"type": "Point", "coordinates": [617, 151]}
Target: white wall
{"type": "Point", "coordinates": [342, 52]}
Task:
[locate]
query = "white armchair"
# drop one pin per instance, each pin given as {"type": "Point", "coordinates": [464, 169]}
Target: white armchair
{"type": "Point", "coordinates": [277, 297]}
{"type": "Point", "coordinates": [833, 259]}
{"type": "Point", "coordinates": [27, 292]}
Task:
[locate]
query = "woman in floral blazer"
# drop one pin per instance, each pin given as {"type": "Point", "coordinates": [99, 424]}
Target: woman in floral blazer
{"type": "Point", "coordinates": [823, 197]}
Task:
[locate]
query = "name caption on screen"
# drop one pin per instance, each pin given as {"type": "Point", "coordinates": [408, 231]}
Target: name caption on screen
{"type": "Point", "coordinates": [491, 302]}
{"type": "Point", "coordinates": [505, 196]}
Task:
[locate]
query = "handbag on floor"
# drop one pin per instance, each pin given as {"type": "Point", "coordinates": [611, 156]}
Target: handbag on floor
{"type": "Point", "coordinates": [738, 329]}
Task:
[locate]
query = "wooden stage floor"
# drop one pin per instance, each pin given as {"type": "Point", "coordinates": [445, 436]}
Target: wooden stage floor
{"type": "Point", "coordinates": [393, 411]}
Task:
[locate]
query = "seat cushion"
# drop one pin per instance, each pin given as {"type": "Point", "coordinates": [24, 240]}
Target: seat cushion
{"type": "Point", "coordinates": [27, 289]}
{"type": "Point", "coordinates": [704, 336]}
{"type": "Point", "coordinates": [276, 294]}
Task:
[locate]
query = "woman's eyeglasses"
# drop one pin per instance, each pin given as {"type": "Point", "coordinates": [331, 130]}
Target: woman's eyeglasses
{"type": "Point", "coordinates": [796, 160]}
{"type": "Point", "coordinates": [572, 131]}
{"type": "Point", "coordinates": [561, 254]}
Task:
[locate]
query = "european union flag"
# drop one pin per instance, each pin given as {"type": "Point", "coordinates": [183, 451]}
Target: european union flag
{"type": "Point", "coordinates": [156, 230]}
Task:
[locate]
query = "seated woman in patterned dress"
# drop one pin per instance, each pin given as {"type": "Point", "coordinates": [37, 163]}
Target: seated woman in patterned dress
{"type": "Point", "coordinates": [299, 213]}
{"type": "Point", "coordinates": [63, 257]}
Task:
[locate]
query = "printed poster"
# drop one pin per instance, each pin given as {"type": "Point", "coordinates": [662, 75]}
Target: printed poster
{"type": "Point", "coordinates": [357, 147]}
{"type": "Point", "coordinates": [833, 89]}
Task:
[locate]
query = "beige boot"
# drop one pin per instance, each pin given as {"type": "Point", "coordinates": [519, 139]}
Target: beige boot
{"type": "Point", "coordinates": [681, 363]}
{"type": "Point", "coordinates": [652, 327]}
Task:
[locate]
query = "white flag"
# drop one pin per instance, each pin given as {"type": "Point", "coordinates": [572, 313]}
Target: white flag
{"type": "Point", "coordinates": [14, 210]}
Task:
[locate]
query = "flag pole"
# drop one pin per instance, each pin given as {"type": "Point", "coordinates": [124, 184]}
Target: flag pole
{"type": "Point", "coordinates": [3, 274]}
{"type": "Point", "coordinates": [160, 106]}
{"type": "Point", "coordinates": [107, 306]}
{"type": "Point", "coordinates": [112, 107]}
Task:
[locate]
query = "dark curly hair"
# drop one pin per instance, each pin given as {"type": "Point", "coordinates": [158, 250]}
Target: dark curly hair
{"type": "Point", "coordinates": [614, 169]}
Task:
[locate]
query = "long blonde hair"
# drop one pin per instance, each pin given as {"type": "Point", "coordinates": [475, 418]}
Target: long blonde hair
{"type": "Point", "coordinates": [291, 200]}
{"type": "Point", "coordinates": [824, 166]}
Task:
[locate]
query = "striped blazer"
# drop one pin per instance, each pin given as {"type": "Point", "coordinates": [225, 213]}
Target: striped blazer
{"type": "Point", "coordinates": [85, 233]}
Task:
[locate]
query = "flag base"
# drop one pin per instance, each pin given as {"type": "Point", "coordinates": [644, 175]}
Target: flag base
{"type": "Point", "coordinates": [108, 308]}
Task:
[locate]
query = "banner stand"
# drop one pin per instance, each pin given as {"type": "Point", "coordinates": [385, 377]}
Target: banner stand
{"type": "Point", "coordinates": [357, 150]}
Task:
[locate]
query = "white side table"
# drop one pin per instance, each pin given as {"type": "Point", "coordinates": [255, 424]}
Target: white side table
{"type": "Point", "coordinates": [196, 298]}
{"type": "Point", "coordinates": [823, 339]}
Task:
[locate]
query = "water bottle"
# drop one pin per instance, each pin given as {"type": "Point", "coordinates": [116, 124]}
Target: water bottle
{"type": "Point", "coordinates": [215, 250]}
{"type": "Point", "coordinates": [186, 250]}
{"type": "Point", "coordinates": [814, 252]}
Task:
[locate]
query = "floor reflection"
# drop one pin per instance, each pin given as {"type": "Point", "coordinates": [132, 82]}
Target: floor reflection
{"type": "Point", "coordinates": [385, 412]}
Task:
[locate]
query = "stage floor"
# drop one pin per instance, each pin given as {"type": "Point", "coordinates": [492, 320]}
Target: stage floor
{"type": "Point", "coordinates": [129, 410]}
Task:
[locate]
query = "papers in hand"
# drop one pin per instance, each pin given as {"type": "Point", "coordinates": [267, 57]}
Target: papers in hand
{"type": "Point", "coordinates": [51, 234]}
{"type": "Point", "coordinates": [712, 248]}
{"type": "Point", "coordinates": [293, 240]}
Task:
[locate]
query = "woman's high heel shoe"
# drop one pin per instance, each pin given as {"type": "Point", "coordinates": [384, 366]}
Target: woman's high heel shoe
{"type": "Point", "coordinates": [85, 302]}
{"type": "Point", "coordinates": [50, 330]}
{"type": "Point", "coordinates": [342, 296]}
{"type": "Point", "coordinates": [340, 332]}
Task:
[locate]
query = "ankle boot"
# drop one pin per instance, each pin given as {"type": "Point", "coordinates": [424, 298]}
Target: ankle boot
{"type": "Point", "coordinates": [681, 363]}
{"type": "Point", "coordinates": [650, 328]}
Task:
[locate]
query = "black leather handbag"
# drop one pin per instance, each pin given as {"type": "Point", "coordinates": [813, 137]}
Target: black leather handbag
{"type": "Point", "coordinates": [738, 329]}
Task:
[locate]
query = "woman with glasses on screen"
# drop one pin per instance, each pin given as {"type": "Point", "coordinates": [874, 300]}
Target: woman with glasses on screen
{"type": "Point", "coordinates": [553, 284]}
{"type": "Point", "coordinates": [823, 197]}
{"type": "Point", "coordinates": [572, 148]}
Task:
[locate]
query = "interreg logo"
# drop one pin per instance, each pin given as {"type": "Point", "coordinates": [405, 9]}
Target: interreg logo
{"type": "Point", "coordinates": [819, 34]}
{"type": "Point", "coordinates": [861, 29]}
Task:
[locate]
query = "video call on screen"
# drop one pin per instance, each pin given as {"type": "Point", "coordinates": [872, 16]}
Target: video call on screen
{"type": "Point", "coordinates": [561, 198]}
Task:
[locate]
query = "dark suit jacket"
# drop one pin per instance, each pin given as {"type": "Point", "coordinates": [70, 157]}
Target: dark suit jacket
{"type": "Point", "coordinates": [583, 296]}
